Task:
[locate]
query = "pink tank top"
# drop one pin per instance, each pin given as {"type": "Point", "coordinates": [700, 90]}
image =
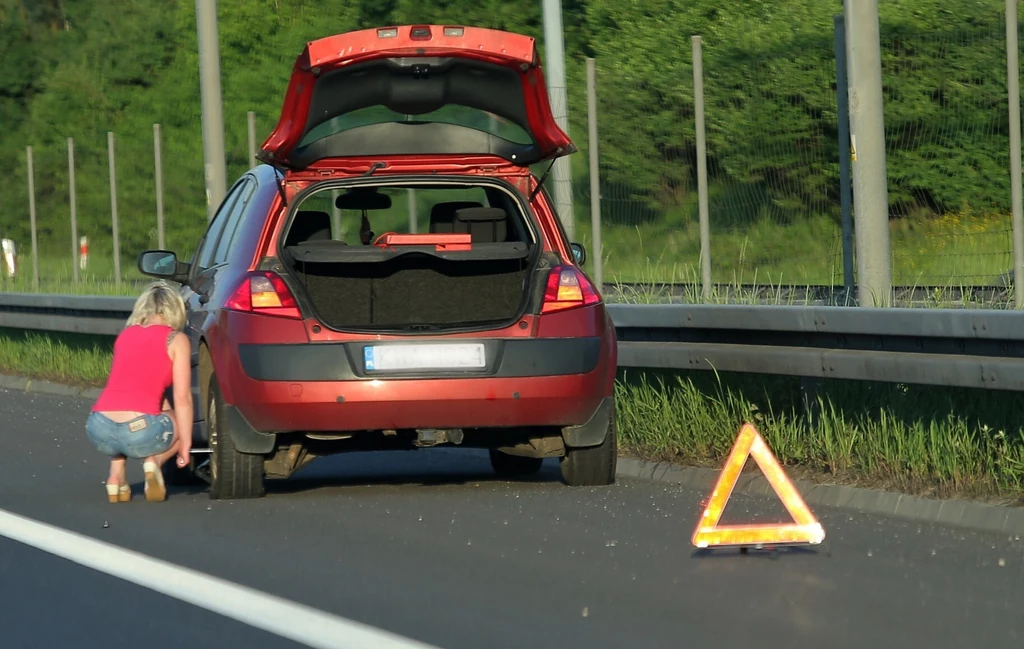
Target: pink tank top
{"type": "Point", "coordinates": [140, 372]}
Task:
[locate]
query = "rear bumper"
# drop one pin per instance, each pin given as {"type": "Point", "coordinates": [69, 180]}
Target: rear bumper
{"type": "Point", "coordinates": [506, 358]}
{"type": "Point", "coordinates": [320, 387]}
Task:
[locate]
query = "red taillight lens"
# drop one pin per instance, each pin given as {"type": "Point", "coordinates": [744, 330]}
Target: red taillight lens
{"type": "Point", "coordinates": [568, 289]}
{"type": "Point", "coordinates": [264, 293]}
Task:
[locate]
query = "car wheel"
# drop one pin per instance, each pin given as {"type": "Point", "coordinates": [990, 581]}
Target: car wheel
{"type": "Point", "coordinates": [233, 475]}
{"type": "Point", "coordinates": [505, 464]}
{"type": "Point", "coordinates": [595, 465]}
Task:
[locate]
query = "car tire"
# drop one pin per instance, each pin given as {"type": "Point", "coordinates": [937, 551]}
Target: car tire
{"type": "Point", "coordinates": [512, 465]}
{"type": "Point", "coordinates": [233, 475]}
{"type": "Point", "coordinates": [595, 465]}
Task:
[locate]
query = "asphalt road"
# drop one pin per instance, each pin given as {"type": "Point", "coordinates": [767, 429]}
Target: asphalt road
{"type": "Point", "coordinates": [430, 545]}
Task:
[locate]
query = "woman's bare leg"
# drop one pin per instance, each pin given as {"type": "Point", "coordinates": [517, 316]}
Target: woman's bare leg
{"type": "Point", "coordinates": [118, 474]}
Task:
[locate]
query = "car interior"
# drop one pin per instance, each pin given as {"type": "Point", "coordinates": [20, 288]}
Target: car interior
{"type": "Point", "coordinates": [486, 224]}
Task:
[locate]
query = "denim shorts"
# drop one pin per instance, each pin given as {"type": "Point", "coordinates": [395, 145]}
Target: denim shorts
{"type": "Point", "coordinates": [137, 438]}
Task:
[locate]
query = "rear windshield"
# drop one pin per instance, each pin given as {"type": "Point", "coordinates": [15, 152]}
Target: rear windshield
{"type": "Point", "coordinates": [413, 209]}
{"type": "Point", "coordinates": [453, 114]}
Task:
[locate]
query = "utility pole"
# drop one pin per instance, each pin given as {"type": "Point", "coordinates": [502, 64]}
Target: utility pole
{"type": "Point", "coordinates": [867, 128]}
{"type": "Point", "coordinates": [554, 73]}
{"type": "Point", "coordinates": [213, 118]}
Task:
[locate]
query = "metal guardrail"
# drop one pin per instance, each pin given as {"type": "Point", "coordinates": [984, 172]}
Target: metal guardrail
{"type": "Point", "coordinates": [977, 348]}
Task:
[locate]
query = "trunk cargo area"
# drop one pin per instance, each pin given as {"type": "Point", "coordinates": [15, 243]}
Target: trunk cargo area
{"type": "Point", "coordinates": [414, 291]}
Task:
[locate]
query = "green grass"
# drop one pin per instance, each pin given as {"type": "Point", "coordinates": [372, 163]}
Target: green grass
{"type": "Point", "coordinates": [958, 249]}
{"type": "Point", "coordinates": [916, 439]}
{"type": "Point", "coordinates": [76, 359]}
{"type": "Point", "coordinates": [56, 276]}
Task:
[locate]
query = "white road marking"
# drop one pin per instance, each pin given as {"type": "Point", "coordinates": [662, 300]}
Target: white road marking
{"type": "Point", "coordinates": [282, 617]}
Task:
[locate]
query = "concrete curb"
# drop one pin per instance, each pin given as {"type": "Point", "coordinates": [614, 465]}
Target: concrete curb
{"type": "Point", "coordinates": [46, 387]}
{"type": "Point", "coordinates": [957, 513]}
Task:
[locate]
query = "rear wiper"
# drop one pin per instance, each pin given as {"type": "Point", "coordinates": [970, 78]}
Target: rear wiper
{"type": "Point", "coordinates": [374, 167]}
{"type": "Point", "coordinates": [540, 183]}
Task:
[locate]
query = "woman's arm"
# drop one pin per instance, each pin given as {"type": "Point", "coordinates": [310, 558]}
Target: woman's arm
{"type": "Point", "coordinates": [181, 362]}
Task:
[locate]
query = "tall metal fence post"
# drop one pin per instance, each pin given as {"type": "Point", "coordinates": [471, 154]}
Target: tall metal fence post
{"type": "Point", "coordinates": [158, 167]}
{"type": "Point", "coordinates": [252, 139]}
{"type": "Point", "coordinates": [113, 208]}
{"type": "Point", "coordinates": [1013, 92]}
{"type": "Point", "coordinates": [73, 204]}
{"type": "Point", "coordinates": [845, 190]}
{"type": "Point", "coordinates": [32, 218]}
{"type": "Point", "coordinates": [554, 72]}
{"type": "Point", "coordinates": [213, 115]}
{"type": "Point", "coordinates": [413, 216]}
{"type": "Point", "coordinates": [595, 172]}
{"type": "Point", "coordinates": [702, 168]}
{"type": "Point", "coordinates": [867, 125]}
{"type": "Point", "coordinates": [336, 224]}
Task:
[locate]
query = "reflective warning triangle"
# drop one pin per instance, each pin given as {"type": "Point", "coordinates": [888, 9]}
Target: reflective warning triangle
{"type": "Point", "coordinates": [804, 529]}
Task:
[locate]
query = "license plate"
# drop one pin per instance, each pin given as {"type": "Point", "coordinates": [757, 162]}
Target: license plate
{"type": "Point", "coordinates": [379, 358]}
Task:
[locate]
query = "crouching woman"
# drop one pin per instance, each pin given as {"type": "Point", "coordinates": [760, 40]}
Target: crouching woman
{"type": "Point", "coordinates": [132, 417]}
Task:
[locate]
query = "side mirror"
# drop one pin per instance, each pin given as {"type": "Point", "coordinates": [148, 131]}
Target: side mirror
{"type": "Point", "coordinates": [162, 264]}
{"type": "Point", "coordinates": [579, 253]}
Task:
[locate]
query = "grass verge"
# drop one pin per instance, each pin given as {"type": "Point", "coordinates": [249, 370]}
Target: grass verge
{"type": "Point", "coordinates": [923, 440]}
{"type": "Point", "coordinates": [75, 359]}
{"type": "Point", "coordinates": [955, 250]}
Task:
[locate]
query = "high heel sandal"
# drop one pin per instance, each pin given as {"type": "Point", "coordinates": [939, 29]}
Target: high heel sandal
{"type": "Point", "coordinates": [118, 493]}
{"type": "Point", "coordinates": [155, 490]}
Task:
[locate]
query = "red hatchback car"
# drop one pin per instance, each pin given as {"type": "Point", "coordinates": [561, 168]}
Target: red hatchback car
{"type": "Point", "coordinates": [394, 275]}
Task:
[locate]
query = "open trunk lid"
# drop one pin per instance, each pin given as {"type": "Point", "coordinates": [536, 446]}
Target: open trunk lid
{"type": "Point", "coordinates": [428, 90]}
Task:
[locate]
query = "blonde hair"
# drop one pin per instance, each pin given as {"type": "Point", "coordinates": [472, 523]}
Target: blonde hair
{"type": "Point", "coordinates": [159, 299]}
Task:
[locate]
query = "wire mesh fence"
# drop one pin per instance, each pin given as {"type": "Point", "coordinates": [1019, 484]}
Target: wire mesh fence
{"type": "Point", "coordinates": [947, 150]}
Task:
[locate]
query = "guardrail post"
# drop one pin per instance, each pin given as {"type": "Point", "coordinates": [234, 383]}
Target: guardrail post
{"type": "Point", "coordinates": [810, 390]}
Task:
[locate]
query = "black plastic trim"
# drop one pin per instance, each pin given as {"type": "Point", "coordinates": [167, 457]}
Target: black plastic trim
{"type": "Point", "coordinates": [246, 438]}
{"type": "Point", "coordinates": [507, 358]}
{"type": "Point", "coordinates": [594, 432]}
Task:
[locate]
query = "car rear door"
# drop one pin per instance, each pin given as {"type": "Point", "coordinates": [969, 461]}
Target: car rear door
{"type": "Point", "coordinates": [423, 90]}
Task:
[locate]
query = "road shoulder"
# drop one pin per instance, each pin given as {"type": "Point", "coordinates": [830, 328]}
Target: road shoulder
{"type": "Point", "coordinates": [981, 517]}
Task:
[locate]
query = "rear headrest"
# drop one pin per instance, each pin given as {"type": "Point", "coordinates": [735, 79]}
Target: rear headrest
{"type": "Point", "coordinates": [442, 215]}
{"type": "Point", "coordinates": [363, 199]}
{"type": "Point", "coordinates": [480, 214]}
{"type": "Point", "coordinates": [483, 224]}
{"type": "Point", "coordinates": [309, 225]}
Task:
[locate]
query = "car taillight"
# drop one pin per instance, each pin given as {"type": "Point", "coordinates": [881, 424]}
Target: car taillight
{"type": "Point", "coordinates": [264, 293]}
{"type": "Point", "coordinates": [568, 289]}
